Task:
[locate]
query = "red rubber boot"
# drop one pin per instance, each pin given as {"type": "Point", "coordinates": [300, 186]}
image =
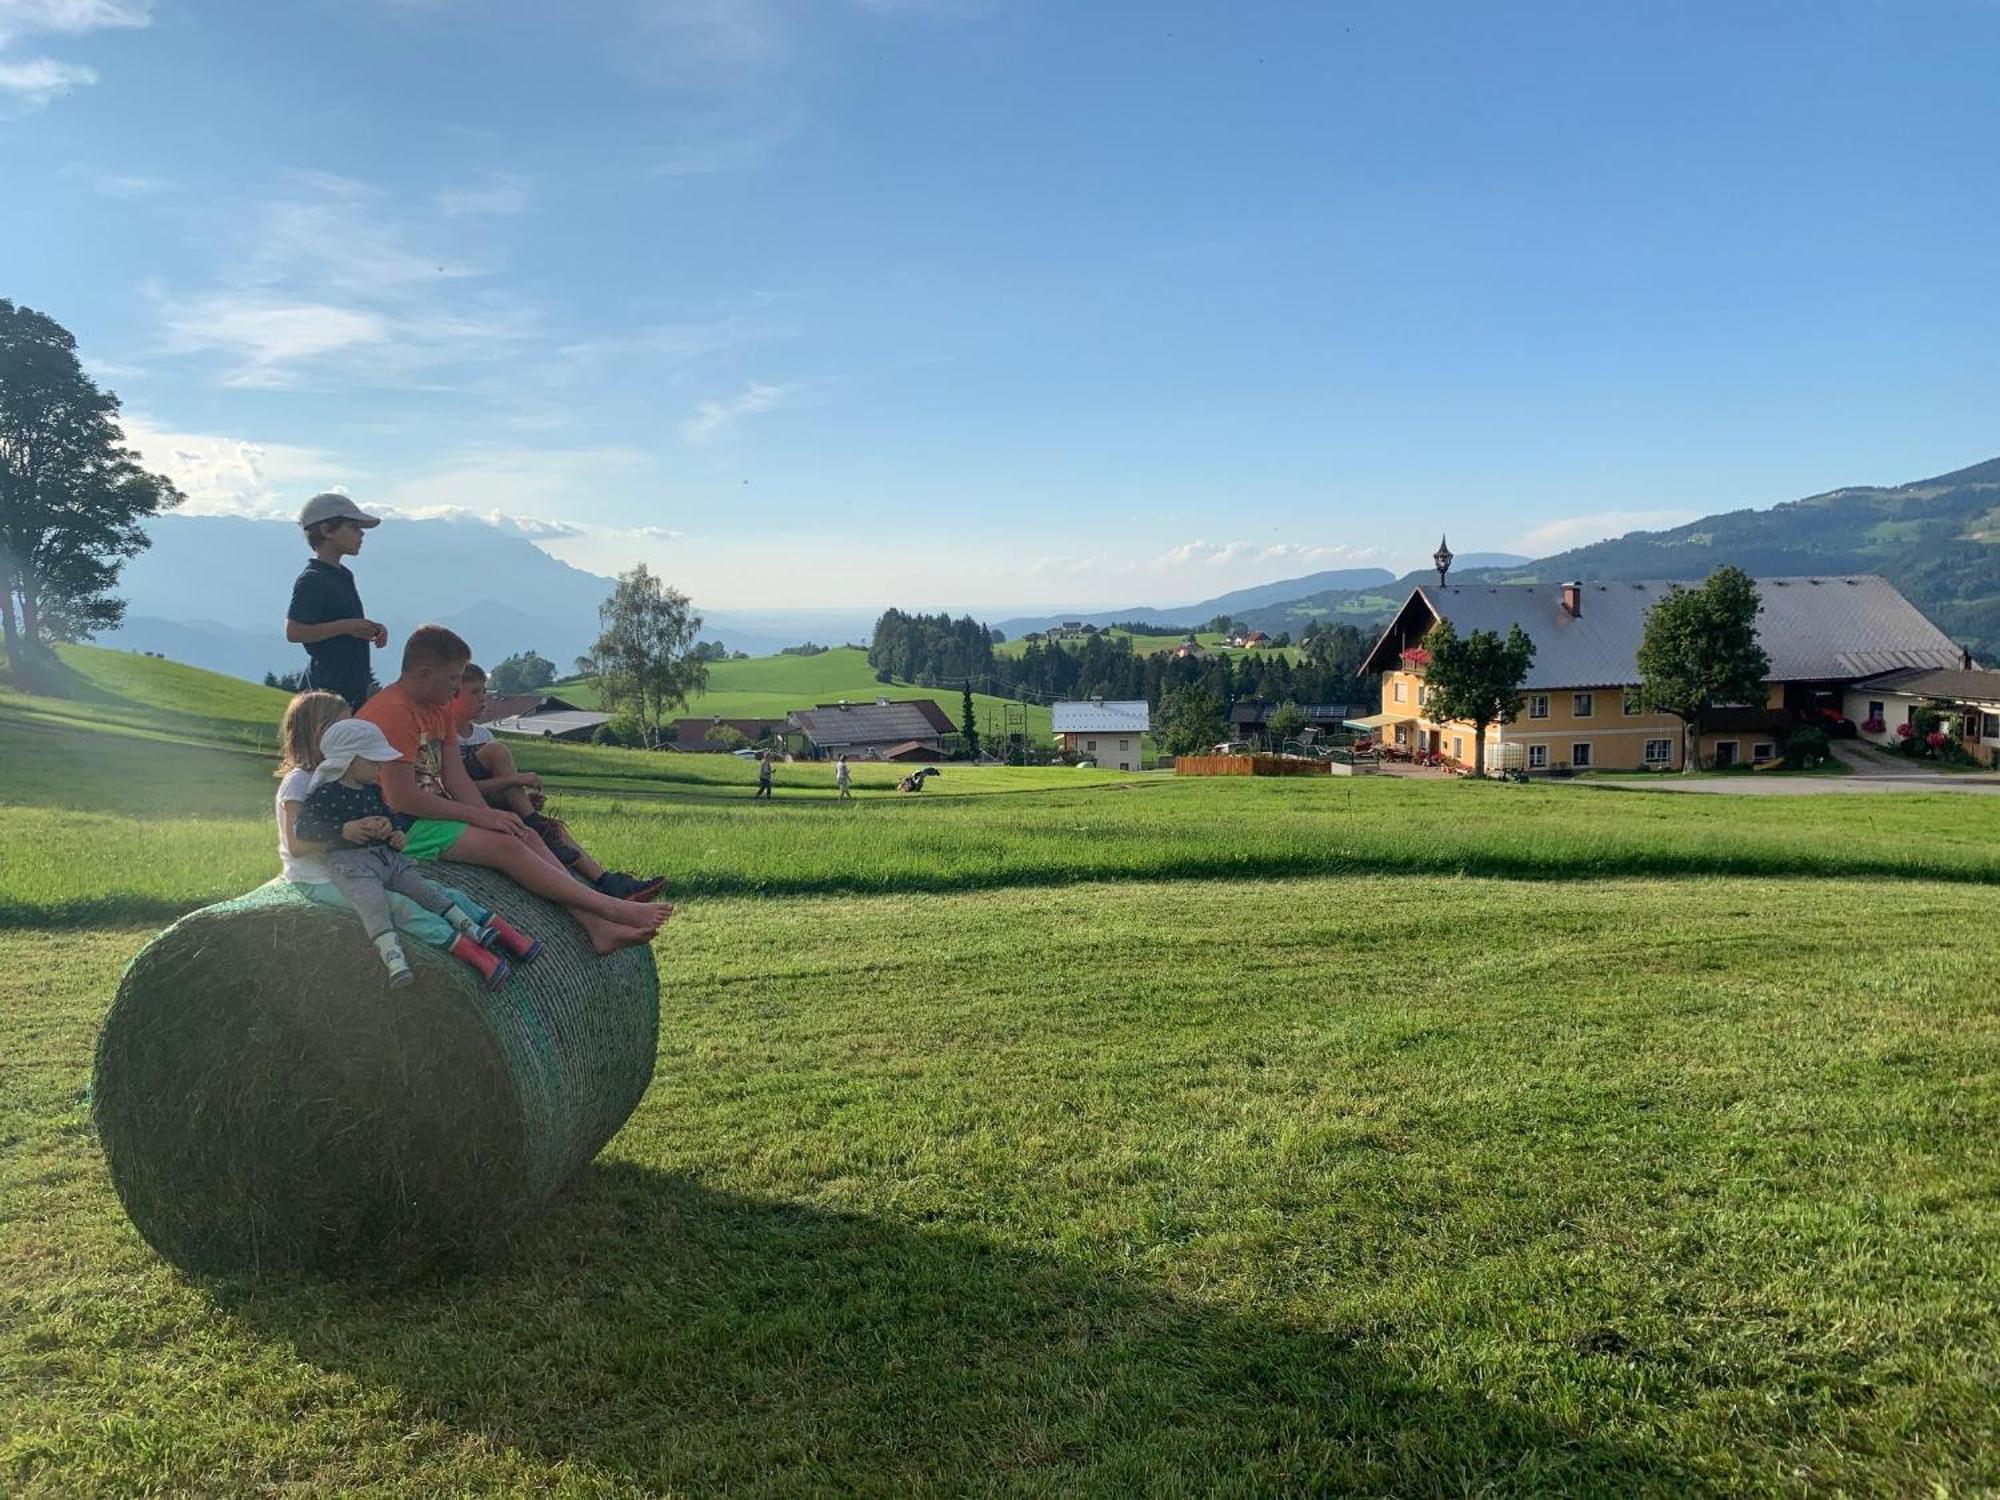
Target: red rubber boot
{"type": "Point", "coordinates": [492, 966]}
{"type": "Point", "coordinates": [524, 948]}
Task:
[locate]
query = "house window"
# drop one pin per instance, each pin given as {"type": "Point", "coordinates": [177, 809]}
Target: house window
{"type": "Point", "coordinates": [1423, 695]}
{"type": "Point", "coordinates": [1659, 752]}
{"type": "Point", "coordinates": [1875, 710]}
{"type": "Point", "coordinates": [1538, 757]}
{"type": "Point", "coordinates": [1457, 747]}
{"type": "Point", "coordinates": [1582, 705]}
{"type": "Point", "coordinates": [1579, 755]}
{"type": "Point", "coordinates": [1091, 746]}
{"type": "Point", "coordinates": [1633, 702]}
{"type": "Point", "coordinates": [1402, 734]}
{"type": "Point", "coordinates": [1727, 752]}
{"type": "Point", "coordinates": [1910, 714]}
{"type": "Point", "coordinates": [1762, 750]}
{"type": "Point", "coordinates": [1989, 726]}
{"type": "Point", "coordinates": [1124, 744]}
{"type": "Point", "coordinates": [1538, 705]}
{"type": "Point", "coordinates": [1396, 691]}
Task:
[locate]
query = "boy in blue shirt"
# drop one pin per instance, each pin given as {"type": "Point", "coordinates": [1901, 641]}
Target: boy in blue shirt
{"type": "Point", "coordinates": [325, 613]}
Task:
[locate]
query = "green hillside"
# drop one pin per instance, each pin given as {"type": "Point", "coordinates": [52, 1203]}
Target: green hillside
{"type": "Point", "coordinates": [769, 687]}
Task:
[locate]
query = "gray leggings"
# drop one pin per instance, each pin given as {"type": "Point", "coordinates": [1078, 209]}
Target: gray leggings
{"type": "Point", "coordinates": [365, 876]}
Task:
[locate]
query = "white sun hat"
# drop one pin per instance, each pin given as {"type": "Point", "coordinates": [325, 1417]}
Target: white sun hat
{"type": "Point", "coordinates": [344, 742]}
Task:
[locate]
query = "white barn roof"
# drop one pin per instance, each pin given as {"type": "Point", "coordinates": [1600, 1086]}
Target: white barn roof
{"type": "Point", "coordinates": [1101, 716]}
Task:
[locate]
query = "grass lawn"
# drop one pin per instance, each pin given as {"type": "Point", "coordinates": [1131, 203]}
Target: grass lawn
{"type": "Point", "coordinates": [769, 687]}
{"type": "Point", "coordinates": [1069, 1133]}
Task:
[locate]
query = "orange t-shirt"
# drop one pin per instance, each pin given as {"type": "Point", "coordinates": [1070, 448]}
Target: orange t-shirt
{"type": "Point", "coordinates": [422, 736]}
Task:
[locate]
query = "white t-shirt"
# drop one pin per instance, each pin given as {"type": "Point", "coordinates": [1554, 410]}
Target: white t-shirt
{"type": "Point", "coordinates": [478, 734]}
{"type": "Point", "coordinates": [301, 869]}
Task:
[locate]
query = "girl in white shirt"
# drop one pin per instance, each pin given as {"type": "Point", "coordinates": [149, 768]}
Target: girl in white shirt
{"type": "Point", "coordinates": [306, 718]}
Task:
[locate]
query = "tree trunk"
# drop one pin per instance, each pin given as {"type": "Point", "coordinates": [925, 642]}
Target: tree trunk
{"type": "Point", "coordinates": [1479, 748]}
{"type": "Point", "coordinates": [1690, 745]}
{"type": "Point", "coordinates": [9, 632]}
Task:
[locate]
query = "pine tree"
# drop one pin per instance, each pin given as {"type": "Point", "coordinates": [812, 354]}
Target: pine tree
{"type": "Point", "coordinates": [970, 726]}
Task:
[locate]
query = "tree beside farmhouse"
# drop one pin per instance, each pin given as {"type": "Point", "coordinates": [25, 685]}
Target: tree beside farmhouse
{"type": "Point", "coordinates": [1700, 651]}
{"type": "Point", "coordinates": [72, 495]}
{"type": "Point", "coordinates": [644, 658]}
{"type": "Point", "coordinates": [1477, 678]}
{"type": "Point", "coordinates": [1190, 721]}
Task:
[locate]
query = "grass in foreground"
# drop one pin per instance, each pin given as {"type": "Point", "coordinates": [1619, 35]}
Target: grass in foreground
{"type": "Point", "coordinates": [1410, 1190]}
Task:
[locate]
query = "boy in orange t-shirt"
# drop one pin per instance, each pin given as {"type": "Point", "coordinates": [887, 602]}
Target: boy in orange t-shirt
{"type": "Point", "coordinates": [442, 812]}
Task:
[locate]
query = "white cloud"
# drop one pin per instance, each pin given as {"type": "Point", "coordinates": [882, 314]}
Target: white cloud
{"type": "Point", "coordinates": [228, 476]}
{"type": "Point", "coordinates": [519, 482]}
{"type": "Point", "coordinates": [32, 82]}
{"type": "Point", "coordinates": [714, 418]}
{"type": "Point", "coordinates": [1580, 531]}
{"type": "Point", "coordinates": [130, 185]}
{"type": "Point", "coordinates": [1203, 553]}
{"type": "Point", "coordinates": [499, 193]}
{"type": "Point", "coordinates": [658, 534]}
{"type": "Point", "coordinates": [331, 291]}
{"type": "Point", "coordinates": [37, 80]}
{"type": "Point", "coordinates": [270, 339]}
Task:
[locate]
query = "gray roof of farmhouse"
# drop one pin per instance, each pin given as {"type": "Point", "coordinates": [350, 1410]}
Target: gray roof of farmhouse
{"type": "Point", "coordinates": [866, 724]}
{"type": "Point", "coordinates": [1968, 685]}
{"type": "Point", "coordinates": [1813, 629]}
{"type": "Point", "coordinates": [1100, 716]}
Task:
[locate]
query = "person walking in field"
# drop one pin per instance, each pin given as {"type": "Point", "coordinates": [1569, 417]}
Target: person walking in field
{"type": "Point", "coordinates": [345, 817]}
{"type": "Point", "coordinates": [442, 813]}
{"type": "Point", "coordinates": [840, 779]}
{"type": "Point", "coordinates": [325, 614]}
{"type": "Point", "coordinates": [763, 777]}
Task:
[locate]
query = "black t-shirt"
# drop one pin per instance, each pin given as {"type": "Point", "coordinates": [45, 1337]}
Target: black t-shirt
{"type": "Point", "coordinates": [324, 593]}
{"type": "Point", "coordinates": [332, 805]}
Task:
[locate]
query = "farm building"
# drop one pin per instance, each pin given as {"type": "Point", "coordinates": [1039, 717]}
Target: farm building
{"type": "Point", "coordinates": [690, 735]}
{"type": "Point", "coordinates": [870, 731]}
{"type": "Point", "coordinates": [558, 724]}
{"type": "Point", "coordinates": [1969, 698]}
{"type": "Point", "coordinates": [1110, 732]}
{"type": "Point", "coordinates": [1249, 717]}
{"type": "Point", "coordinates": [1583, 711]}
{"type": "Point", "coordinates": [519, 705]}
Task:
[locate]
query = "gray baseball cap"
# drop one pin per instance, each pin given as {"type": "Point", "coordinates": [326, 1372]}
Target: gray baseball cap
{"type": "Point", "coordinates": [332, 507]}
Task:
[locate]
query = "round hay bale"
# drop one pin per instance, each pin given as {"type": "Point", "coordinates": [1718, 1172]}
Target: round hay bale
{"type": "Point", "coordinates": [265, 1100]}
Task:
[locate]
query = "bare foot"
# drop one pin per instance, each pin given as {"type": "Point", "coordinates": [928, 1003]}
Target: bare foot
{"type": "Point", "coordinates": [614, 938]}
{"type": "Point", "coordinates": [646, 914]}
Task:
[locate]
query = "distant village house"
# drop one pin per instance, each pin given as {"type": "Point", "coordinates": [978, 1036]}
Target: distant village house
{"type": "Point", "coordinates": [1110, 732]}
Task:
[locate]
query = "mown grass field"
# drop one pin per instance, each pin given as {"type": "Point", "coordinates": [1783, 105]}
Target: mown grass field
{"type": "Point", "coordinates": [769, 687]}
{"type": "Point", "coordinates": [1069, 1133]}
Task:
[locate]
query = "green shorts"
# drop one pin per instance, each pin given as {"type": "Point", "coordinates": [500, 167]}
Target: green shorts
{"type": "Point", "coordinates": [429, 838]}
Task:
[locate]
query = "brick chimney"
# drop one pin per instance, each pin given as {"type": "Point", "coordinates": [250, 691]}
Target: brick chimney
{"type": "Point", "coordinates": [1572, 597]}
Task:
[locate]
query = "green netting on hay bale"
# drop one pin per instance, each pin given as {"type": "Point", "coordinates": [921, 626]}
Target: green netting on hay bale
{"type": "Point", "coordinates": [266, 1100]}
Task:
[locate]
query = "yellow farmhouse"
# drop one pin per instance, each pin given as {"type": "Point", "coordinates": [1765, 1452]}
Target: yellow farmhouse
{"type": "Point", "coordinates": [1583, 711]}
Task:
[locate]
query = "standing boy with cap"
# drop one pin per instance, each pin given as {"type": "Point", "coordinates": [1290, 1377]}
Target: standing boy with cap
{"type": "Point", "coordinates": [325, 614]}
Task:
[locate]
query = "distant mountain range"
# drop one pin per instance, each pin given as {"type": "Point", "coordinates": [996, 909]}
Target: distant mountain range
{"type": "Point", "coordinates": [1937, 540]}
{"type": "Point", "coordinates": [1236, 604]}
{"type": "Point", "coordinates": [212, 591]}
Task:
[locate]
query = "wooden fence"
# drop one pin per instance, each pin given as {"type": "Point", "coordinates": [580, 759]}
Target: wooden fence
{"type": "Point", "coordinates": [1246, 765]}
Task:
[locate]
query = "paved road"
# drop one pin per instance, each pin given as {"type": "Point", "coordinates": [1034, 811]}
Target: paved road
{"type": "Point", "coordinates": [1804, 786]}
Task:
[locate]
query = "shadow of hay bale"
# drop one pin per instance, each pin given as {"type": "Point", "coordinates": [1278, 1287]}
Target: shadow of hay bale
{"type": "Point", "coordinates": [266, 1101]}
{"type": "Point", "coordinates": [656, 1335]}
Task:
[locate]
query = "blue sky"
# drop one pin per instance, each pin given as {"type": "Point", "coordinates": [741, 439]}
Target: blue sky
{"type": "Point", "coordinates": [984, 303]}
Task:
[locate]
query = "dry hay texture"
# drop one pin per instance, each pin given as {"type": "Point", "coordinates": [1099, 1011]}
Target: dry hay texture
{"type": "Point", "coordinates": [266, 1101]}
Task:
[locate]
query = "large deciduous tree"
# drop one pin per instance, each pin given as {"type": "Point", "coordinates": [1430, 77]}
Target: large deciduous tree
{"type": "Point", "coordinates": [525, 672]}
{"type": "Point", "coordinates": [1190, 721]}
{"type": "Point", "coordinates": [644, 658]}
{"type": "Point", "coordinates": [1700, 650]}
{"type": "Point", "coordinates": [1477, 678]}
{"type": "Point", "coordinates": [72, 495]}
